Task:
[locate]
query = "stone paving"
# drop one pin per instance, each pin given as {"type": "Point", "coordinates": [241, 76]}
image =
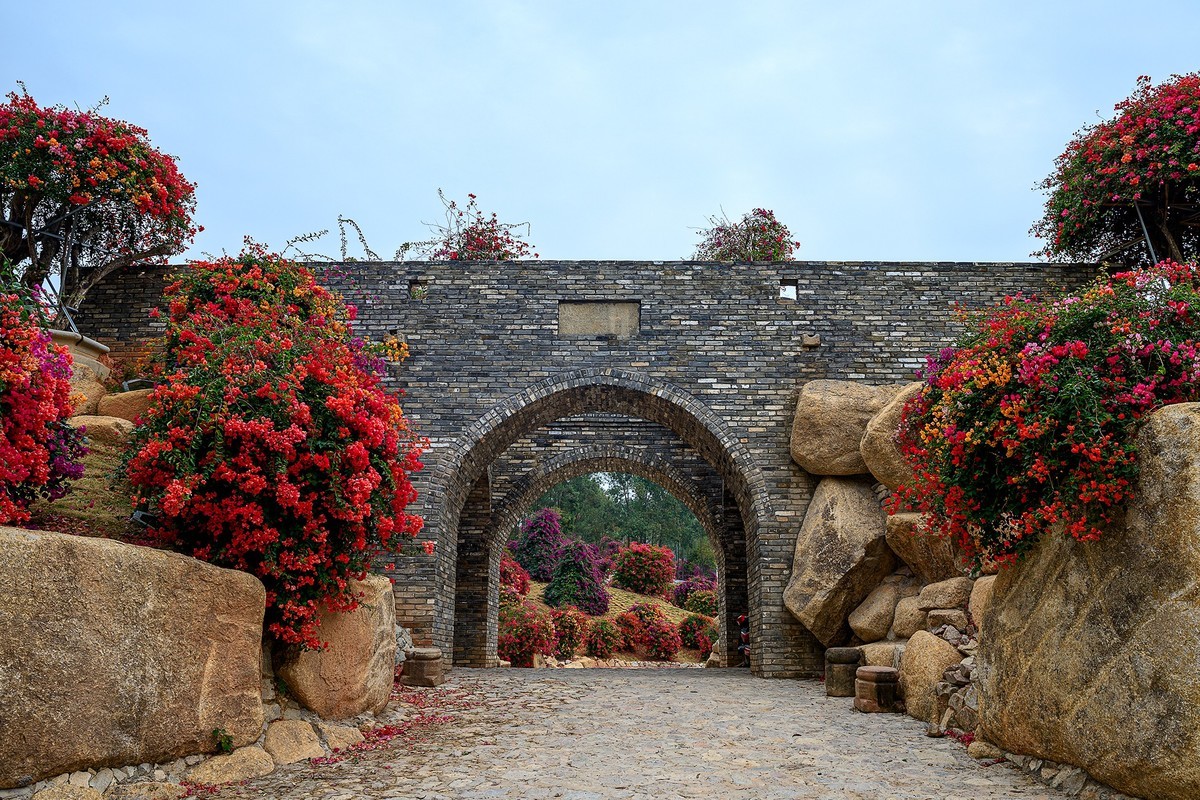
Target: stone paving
{"type": "Point", "coordinates": [594, 734]}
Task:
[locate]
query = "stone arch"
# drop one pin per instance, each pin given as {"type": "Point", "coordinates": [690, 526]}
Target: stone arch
{"type": "Point", "coordinates": [601, 458]}
{"type": "Point", "coordinates": [461, 481]}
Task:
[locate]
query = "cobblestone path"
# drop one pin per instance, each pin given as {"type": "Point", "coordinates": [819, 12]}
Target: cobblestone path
{"type": "Point", "coordinates": [671, 733]}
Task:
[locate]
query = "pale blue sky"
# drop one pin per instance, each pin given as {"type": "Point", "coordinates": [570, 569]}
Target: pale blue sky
{"type": "Point", "coordinates": [875, 130]}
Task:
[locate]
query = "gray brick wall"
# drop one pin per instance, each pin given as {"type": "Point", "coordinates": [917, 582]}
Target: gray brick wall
{"type": "Point", "coordinates": [712, 372]}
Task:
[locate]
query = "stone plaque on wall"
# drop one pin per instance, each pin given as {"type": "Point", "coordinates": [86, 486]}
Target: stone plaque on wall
{"type": "Point", "coordinates": [599, 318]}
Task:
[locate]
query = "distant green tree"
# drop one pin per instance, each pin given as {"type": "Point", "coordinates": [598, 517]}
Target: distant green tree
{"type": "Point", "coordinates": [629, 508]}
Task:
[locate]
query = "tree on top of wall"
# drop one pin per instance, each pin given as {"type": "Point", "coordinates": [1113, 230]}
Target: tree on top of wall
{"type": "Point", "coordinates": [1133, 177]}
{"type": "Point", "coordinates": [471, 235]}
{"type": "Point", "coordinates": [758, 236]}
{"type": "Point", "coordinates": [85, 192]}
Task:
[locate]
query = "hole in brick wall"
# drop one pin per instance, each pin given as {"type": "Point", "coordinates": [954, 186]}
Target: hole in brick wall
{"type": "Point", "coordinates": [787, 291]}
{"type": "Point", "coordinates": [418, 289]}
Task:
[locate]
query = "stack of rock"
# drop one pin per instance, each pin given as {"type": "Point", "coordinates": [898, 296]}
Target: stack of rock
{"type": "Point", "coordinates": [862, 578]}
{"type": "Point", "coordinates": [108, 418]}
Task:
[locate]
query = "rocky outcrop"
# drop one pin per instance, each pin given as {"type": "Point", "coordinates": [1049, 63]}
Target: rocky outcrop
{"type": "Point", "coordinates": [909, 618]}
{"type": "Point", "coordinates": [1090, 652]}
{"type": "Point", "coordinates": [292, 740]}
{"type": "Point", "coordinates": [86, 388]}
{"type": "Point", "coordinates": [240, 765]}
{"type": "Point", "coordinates": [355, 673]}
{"type": "Point", "coordinates": [831, 418]}
{"type": "Point", "coordinates": [840, 557]}
{"type": "Point", "coordinates": [872, 619]}
{"type": "Point", "coordinates": [926, 658]}
{"type": "Point", "coordinates": [933, 558]}
{"type": "Point", "coordinates": [109, 430]}
{"type": "Point", "coordinates": [126, 405]}
{"type": "Point", "coordinates": [952, 593]}
{"type": "Point", "coordinates": [981, 599]}
{"type": "Point", "coordinates": [112, 654]}
{"type": "Point", "coordinates": [878, 446]}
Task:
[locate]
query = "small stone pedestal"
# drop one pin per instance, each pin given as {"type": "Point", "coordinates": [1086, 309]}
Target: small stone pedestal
{"type": "Point", "coordinates": [875, 689]}
{"type": "Point", "coordinates": [423, 668]}
{"type": "Point", "coordinates": [840, 665]}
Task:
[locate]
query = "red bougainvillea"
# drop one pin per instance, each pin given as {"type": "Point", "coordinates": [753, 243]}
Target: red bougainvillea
{"type": "Point", "coordinates": [95, 182]}
{"type": "Point", "coordinates": [1147, 157]}
{"type": "Point", "coordinates": [644, 568]}
{"type": "Point", "coordinates": [1028, 424]}
{"type": "Point", "coordinates": [39, 452]}
{"type": "Point", "coordinates": [758, 236]}
{"type": "Point", "coordinates": [270, 445]}
{"type": "Point", "coordinates": [525, 631]}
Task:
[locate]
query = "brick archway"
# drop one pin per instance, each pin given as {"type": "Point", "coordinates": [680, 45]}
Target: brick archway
{"type": "Point", "coordinates": [471, 577]}
{"type": "Point", "coordinates": [480, 547]}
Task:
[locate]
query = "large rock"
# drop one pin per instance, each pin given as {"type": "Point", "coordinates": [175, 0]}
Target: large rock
{"type": "Point", "coordinates": [1092, 650]}
{"type": "Point", "coordinates": [86, 388]}
{"type": "Point", "coordinates": [981, 599]}
{"type": "Point", "coordinates": [355, 673]}
{"type": "Point", "coordinates": [292, 740]}
{"type": "Point", "coordinates": [878, 446]}
{"type": "Point", "coordinates": [925, 658]}
{"type": "Point", "coordinates": [883, 654]}
{"type": "Point", "coordinates": [933, 558]}
{"type": "Point", "coordinates": [240, 765]}
{"type": "Point", "coordinates": [831, 418]}
{"type": "Point", "coordinates": [840, 557]}
{"type": "Point", "coordinates": [909, 618]}
{"type": "Point", "coordinates": [872, 620]}
{"type": "Point", "coordinates": [126, 405]}
{"type": "Point", "coordinates": [950, 593]}
{"type": "Point", "coordinates": [112, 654]}
{"type": "Point", "coordinates": [110, 430]}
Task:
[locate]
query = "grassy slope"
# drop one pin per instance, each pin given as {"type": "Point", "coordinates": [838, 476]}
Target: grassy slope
{"type": "Point", "coordinates": [97, 505]}
{"type": "Point", "coordinates": [620, 601]}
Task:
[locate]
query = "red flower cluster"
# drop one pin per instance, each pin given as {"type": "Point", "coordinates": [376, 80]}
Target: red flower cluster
{"type": "Point", "coordinates": [757, 237]}
{"type": "Point", "coordinates": [270, 444]}
{"type": "Point", "coordinates": [525, 631]}
{"type": "Point", "coordinates": [695, 630]}
{"type": "Point", "coordinates": [1148, 154]}
{"type": "Point", "coordinates": [513, 575]}
{"type": "Point", "coordinates": [602, 638]}
{"type": "Point", "coordinates": [96, 177]}
{"type": "Point", "coordinates": [469, 235]}
{"type": "Point", "coordinates": [569, 625]}
{"type": "Point", "coordinates": [39, 452]}
{"type": "Point", "coordinates": [644, 568]}
{"type": "Point", "coordinates": [1028, 424]}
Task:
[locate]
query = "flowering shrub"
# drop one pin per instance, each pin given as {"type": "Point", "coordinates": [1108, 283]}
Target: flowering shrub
{"type": "Point", "coordinates": [647, 612]}
{"type": "Point", "coordinates": [661, 639]}
{"type": "Point", "coordinates": [1028, 423]}
{"type": "Point", "coordinates": [644, 568]}
{"type": "Point", "coordinates": [693, 631]}
{"type": "Point", "coordinates": [269, 444]}
{"type": "Point", "coordinates": [509, 595]}
{"type": "Point", "coordinates": [538, 545]}
{"type": "Point", "coordinates": [696, 583]}
{"type": "Point", "coordinates": [39, 452]}
{"type": "Point", "coordinates": [702, 601]}
{"type": "Point", "coordinates": [525, 630]}
{"type": "Point", "coordinates": [602, 639]}
{"type": "Point", "coordinates": [89, 180]}
{"type": "Point", "coordinates": [757, 237]}
{"type": "Point", "coordinates": [629, 625]}
{"type": "Point", "coordinates": [469, 235]}
{"type": "Point", "coordinates": [569, 625]}
{"type": "Point", "coordinates": [513, 576]}
{"type": "Point", "coordinates": [577, 580]}
{"type": "Point", "coordinates": [1149, 155]}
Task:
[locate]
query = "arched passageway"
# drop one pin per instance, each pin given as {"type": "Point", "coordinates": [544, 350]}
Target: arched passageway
{"type": "Point", "coordinates": [729, 508]}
